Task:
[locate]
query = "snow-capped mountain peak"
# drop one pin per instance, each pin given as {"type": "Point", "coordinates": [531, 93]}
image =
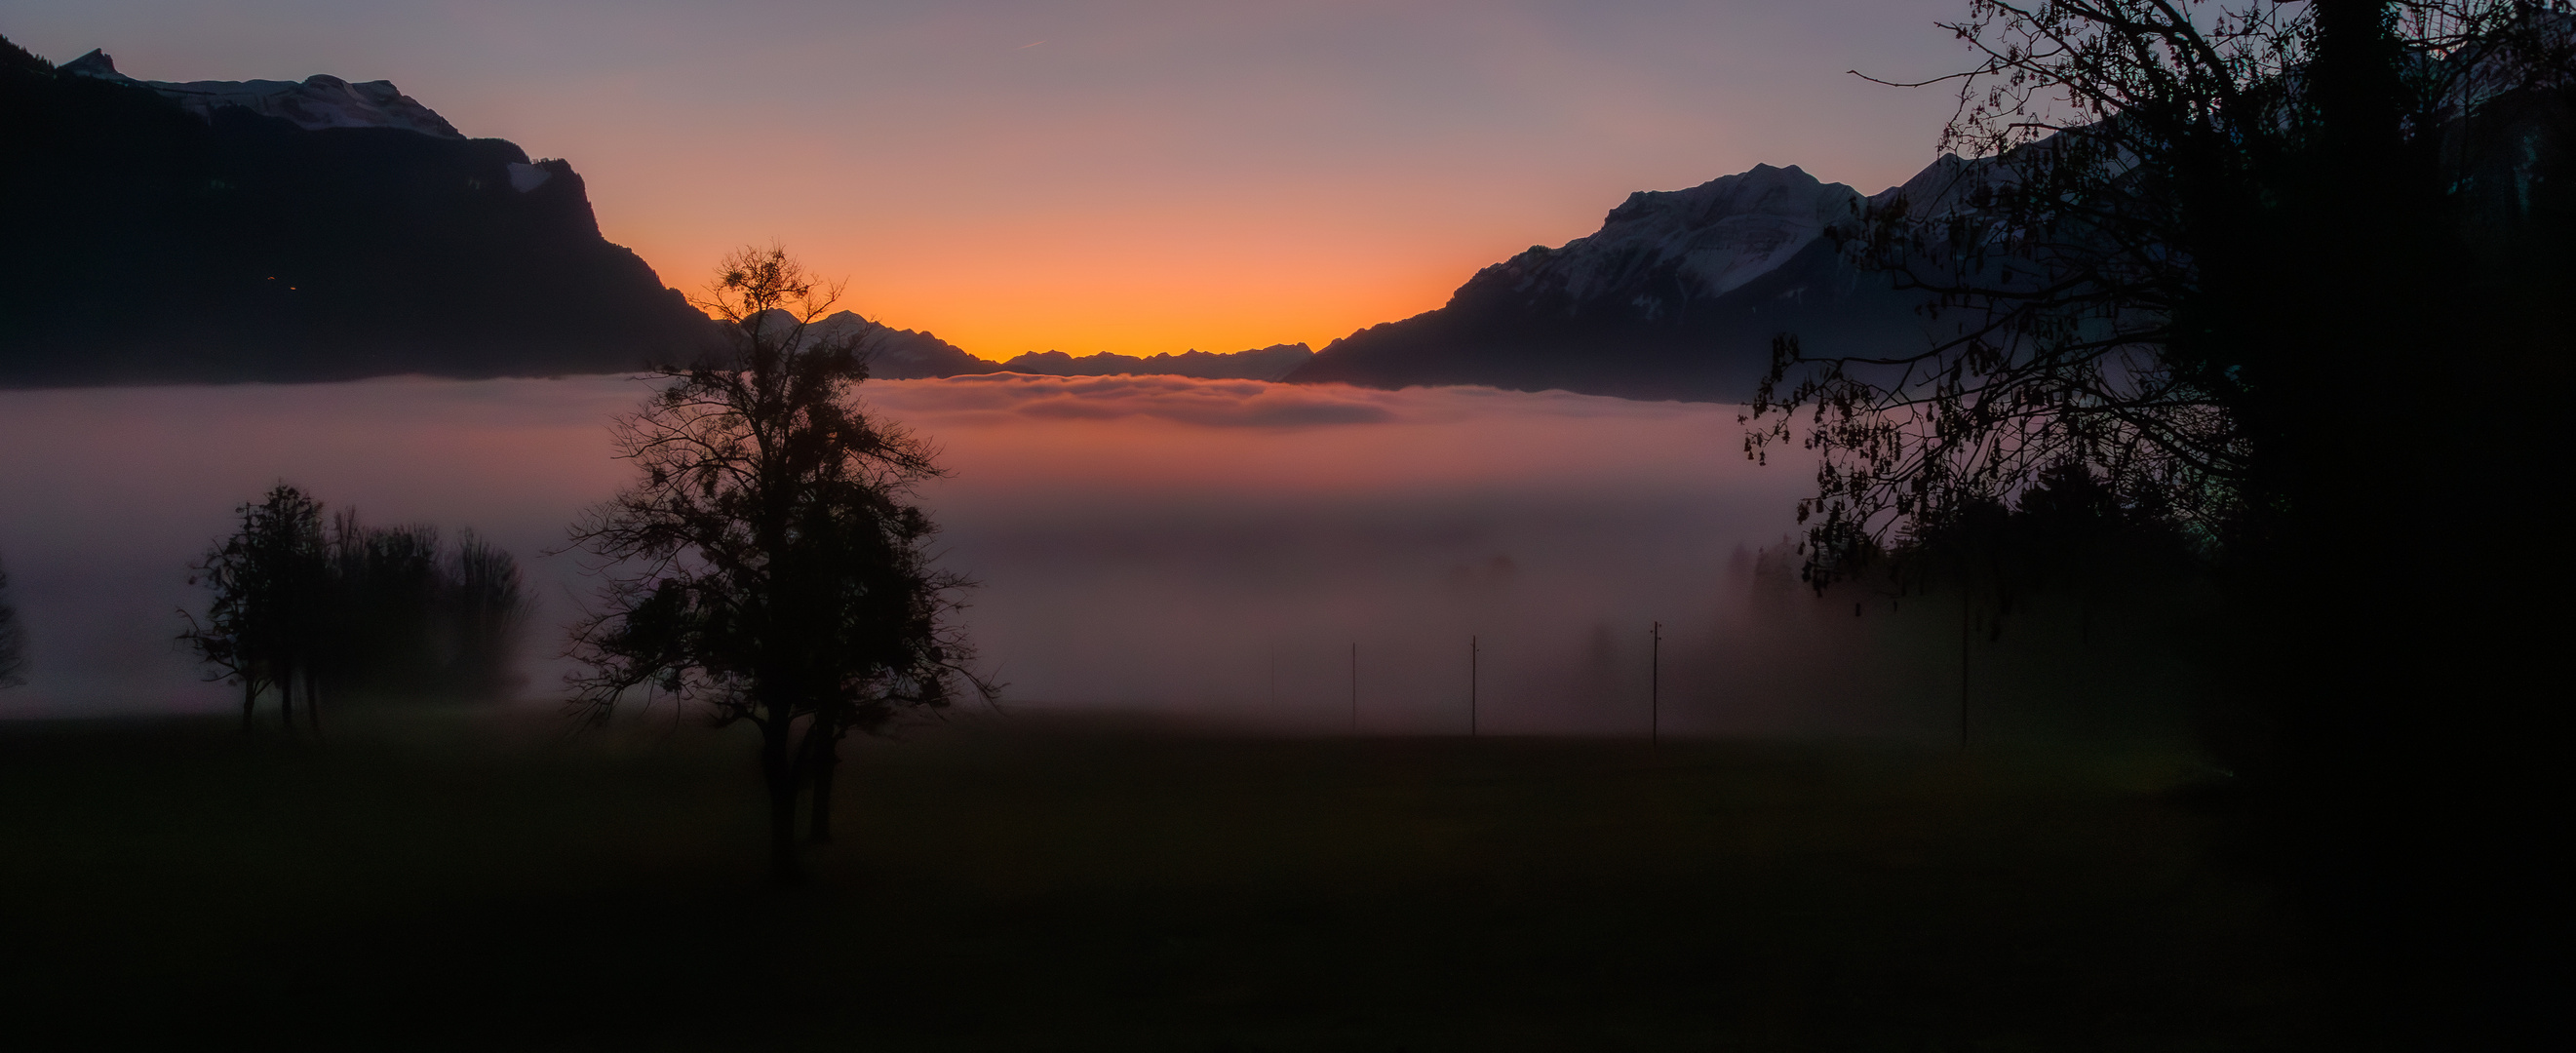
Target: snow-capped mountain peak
{"type": "Point", "coordinates": [1723, 233]}
{"type": "Point", "coordinates": [316, 102]}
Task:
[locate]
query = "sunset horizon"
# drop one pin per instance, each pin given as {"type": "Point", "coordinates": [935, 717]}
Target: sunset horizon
{"type": "Point", "coordinates": [1142, 182]}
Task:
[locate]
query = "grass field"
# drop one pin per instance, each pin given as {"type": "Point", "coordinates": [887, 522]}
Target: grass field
{"type": "Point", "coordinates": [454, 881]}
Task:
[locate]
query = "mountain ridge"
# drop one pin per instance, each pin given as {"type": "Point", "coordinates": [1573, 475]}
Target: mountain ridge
{"type": "Point", "coordinates": [314, 103]}
{"type": "Point", "coordinates": [223, 244]}
{"type": "Point", "coordinates": [906, 354]}
{"type": "Point", "coordinates": [1679, 294]}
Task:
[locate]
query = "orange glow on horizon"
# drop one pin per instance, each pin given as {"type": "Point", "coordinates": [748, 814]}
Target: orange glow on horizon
{"type": "Point", "coordinates": [1087, 292]}
{"type": "Point", "coordinates": [1131, 307]}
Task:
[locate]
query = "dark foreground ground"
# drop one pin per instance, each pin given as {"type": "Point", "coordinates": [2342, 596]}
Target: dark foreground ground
{"type": "Point", "coordinates": [1023, 884]}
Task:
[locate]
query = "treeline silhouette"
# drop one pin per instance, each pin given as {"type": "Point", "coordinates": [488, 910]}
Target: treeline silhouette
{"type": "Point", "coordinates": [344, 611]}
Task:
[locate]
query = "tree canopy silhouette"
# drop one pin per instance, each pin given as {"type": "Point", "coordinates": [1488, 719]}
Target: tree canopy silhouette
{"type": "Point", "coordinates": [769, 563]}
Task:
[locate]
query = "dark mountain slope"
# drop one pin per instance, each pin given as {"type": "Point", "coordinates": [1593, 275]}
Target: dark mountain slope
{"type": "Point", "coordinates": [148, 244]}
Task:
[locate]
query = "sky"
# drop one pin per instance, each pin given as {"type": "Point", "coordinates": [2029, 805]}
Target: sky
{"type": "Point", "coordinates": [1132, 176]}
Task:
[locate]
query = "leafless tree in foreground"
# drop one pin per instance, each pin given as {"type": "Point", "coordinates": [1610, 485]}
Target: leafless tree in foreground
{"type": "Point", "coordinates": [2185, 239]}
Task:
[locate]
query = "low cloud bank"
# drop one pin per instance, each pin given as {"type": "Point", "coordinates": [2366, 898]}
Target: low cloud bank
{"type": "Point", "coordinates": [1194, 546]}
{"type": "Point", "coordinates": [1206, 403]}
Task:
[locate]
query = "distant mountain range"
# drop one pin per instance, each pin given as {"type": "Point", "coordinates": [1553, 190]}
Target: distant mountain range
{"type": "Point", "coordinates": [904, 354]}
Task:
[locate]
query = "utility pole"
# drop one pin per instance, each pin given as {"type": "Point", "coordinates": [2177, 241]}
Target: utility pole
{"type": "Point", "coordinates": [1355, 687]}
{"type": "Point", "coordinates": [1655, 686]}
{"type": "Point", "coordinates": [1472, 650]}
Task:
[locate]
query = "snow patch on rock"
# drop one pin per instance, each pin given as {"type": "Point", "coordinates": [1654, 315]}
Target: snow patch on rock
{"type": "Point", "coordinates": [524, 178]}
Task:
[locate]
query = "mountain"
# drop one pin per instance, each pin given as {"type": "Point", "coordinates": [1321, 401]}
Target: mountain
{"type": "Point", "coordinates": [904, 354]}
{"type": "Point", "coordinates": [1262, 363]}
{"type": "Point", "coordinates": [1678, 295]}
{"type": "Point", "coordinates": [312, 104]}
{"type": "Point", "coordinates": [220, 231]}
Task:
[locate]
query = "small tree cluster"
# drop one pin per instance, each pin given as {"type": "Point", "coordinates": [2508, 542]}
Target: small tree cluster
{"type": "Point", "coordinates": [413, 617]}
{"type": "Point", "coordinates": [350, 610]}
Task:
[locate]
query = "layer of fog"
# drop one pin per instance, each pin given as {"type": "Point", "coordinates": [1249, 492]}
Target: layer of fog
{"type": "Point", "coordinates": [1214, 548]}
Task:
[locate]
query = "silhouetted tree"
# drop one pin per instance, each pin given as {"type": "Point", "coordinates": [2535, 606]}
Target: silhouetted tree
{"type": "Point", "coordinates": [2288, 274]}
{"type": "Point", "coordinates": [268, 582]}
{"type": "Point", "coordinates": [769, 563]}
{"type": "Point", "coordinates": [484, 605]}
{"type": "Point", "coordinates": [412, 618]}
{"type": "Point", "coordinates": [13, 638]}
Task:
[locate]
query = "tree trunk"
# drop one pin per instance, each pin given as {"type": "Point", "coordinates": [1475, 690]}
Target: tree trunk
{"type": "Point", "coordinates": [286, 695]}
{"type": "Point", "coordinates": [826, 758]}
{"type": "Point", "coordinates": [250, 698]}
{"type": "Point", "coordinates": [312, 703]}
{"type": "Point", "coordinates": [778, 765]}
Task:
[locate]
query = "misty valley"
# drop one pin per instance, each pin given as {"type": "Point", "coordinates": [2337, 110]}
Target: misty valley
{"type": "Point", "coordinates": [2095, 593]}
